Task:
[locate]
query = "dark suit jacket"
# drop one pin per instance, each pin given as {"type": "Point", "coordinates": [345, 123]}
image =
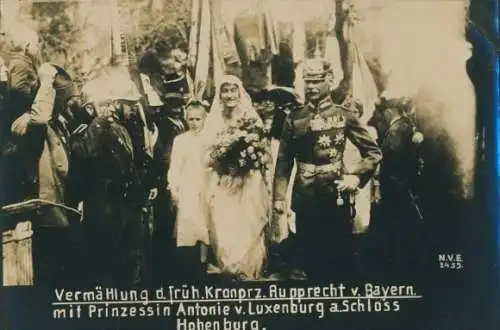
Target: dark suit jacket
{"type": "Point", "coordinates": [37, 164]}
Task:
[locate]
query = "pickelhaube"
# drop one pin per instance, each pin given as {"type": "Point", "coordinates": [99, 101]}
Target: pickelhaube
{"type": "Point", "coordinates": [316, 69]}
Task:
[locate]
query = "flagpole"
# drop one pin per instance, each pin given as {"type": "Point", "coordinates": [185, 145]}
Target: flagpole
{"type": "Point", "coordinates": [345, 44]}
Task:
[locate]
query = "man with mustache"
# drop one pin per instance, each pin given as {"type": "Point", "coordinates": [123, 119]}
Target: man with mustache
{"type": "Point", "coordinates": [315, 137]}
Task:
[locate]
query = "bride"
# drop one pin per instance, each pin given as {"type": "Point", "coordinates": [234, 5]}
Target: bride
{"type": "Point", "coordinates": [238, 213]}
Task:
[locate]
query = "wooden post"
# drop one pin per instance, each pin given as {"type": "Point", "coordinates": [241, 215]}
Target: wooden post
{"type": "Point", "coordinates": [17, 256]}
{"type": "Point", "coordinates": [17, 261]}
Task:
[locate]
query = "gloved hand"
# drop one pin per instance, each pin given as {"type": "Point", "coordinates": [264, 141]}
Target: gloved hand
{"type": "Point", "coordinates": [348, 183]}
{"type": "Point", "coordinates": [47, 73]}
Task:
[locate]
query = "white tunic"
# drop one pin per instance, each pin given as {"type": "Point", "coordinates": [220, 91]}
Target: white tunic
{"type": "Point", "coordinates": [187, 179]}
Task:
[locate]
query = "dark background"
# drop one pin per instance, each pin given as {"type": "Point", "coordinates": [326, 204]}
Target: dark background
{"type": "Point", "coordinates": [467, 300]}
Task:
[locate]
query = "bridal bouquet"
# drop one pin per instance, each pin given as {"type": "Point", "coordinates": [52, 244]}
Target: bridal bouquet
{"type": "Point", "coordinates": [240, 150]}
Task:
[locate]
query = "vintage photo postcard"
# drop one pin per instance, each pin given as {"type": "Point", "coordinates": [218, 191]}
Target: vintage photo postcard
{"type": "Point", "coordinates": [247, 165]}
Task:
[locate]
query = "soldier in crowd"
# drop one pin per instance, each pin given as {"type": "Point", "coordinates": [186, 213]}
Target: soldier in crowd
{"type": "Point", "coordinates": [396, 227]}
{"type": "Point", "coordinates": [23, 84]}
{"type": "Point", "coordinates": [114, 157]}
{"type": "Point", "coordinates": [166, 84]}
{"type": "Point", "coordinates": [167, 72]}
{"type": "Point", "coordinates": [40, 144]}
{"type": "Point", "coordinates": [315, 138]}
{"type": "Point", "coordinates": [169, 118]}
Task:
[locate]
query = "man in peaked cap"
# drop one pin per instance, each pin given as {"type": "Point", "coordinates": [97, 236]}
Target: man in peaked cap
{"type": "Point", "coordinates": [168, 115]}
{"type": "Point", "coordinates": [314, 137]}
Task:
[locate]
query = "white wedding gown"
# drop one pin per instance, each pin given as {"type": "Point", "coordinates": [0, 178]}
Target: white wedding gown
{"type": "Point", "coordinates": [237, 223]}
{"type": "Point", "coordinates": [238, 211]}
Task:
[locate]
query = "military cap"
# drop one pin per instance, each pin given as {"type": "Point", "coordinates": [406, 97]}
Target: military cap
{"type": "Point", "coordinates": [402, 104]}
{"type": "Point", "coordinates": [175, 86]}
{"type": "Point", "coordinates": [64, 85]}
{"type": "Point", "coordinates": [316, 69]}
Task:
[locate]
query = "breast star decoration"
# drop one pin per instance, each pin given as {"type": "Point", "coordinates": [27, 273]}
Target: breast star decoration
{"type": "Point", "coordinates": [339, 138]}
{"type": "Point", "coordinates": [333, 153]}
{"type": "Point", "coordinates": [324, 141]}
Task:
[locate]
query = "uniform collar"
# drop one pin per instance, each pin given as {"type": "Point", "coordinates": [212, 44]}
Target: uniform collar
{"type": "Point", "coordinates": [323, 104]}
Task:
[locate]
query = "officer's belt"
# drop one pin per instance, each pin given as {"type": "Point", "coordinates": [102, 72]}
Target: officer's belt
{"type": "Point", "coordinates": [308, 169]}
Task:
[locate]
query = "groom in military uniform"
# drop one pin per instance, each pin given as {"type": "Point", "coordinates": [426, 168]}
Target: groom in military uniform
{"type": "Point", "coordinates": [315, 137]}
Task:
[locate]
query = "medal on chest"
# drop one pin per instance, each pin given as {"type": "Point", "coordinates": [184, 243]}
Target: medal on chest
{"type": "Point", "coordinates": [340, 200]}
{"type": "Point", "coordinates": [317, 123]}
{"type": "Point", "coordinates": [320, 123]}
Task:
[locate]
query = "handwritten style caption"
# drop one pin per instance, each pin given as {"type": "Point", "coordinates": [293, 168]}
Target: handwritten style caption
{"type": "Point", "coordinates": [212, 307]}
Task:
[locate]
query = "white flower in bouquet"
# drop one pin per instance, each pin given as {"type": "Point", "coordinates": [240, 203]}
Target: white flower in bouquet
{"type": "Point", "coordinates": [242, 162]}
{"type": "Point", "coordinates": [252, 137]}
{"type": "Point", "coordinates": [256, 164]}
{"type": "Point", "coordinates": [243, 153]}
{"type": "Point", "coordinates": [253, 156]}
{"type": "Point", "coordinates": [251, 149]}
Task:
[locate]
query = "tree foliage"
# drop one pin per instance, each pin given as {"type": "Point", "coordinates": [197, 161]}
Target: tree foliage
{"type": "Point", "coordinates": [59, 32]}
{"type": "Point", "coordinates": [166, 26]}
{"type": "Point", "coordinates": [152, 23]}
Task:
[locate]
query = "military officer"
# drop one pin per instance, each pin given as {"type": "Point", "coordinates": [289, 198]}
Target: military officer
{"type": "Point", "coordinates": [109, 156]}
{"type": "Point", "coordinates": [315, 137]}
{"type": "Point", "coordinates": [398, 224]}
